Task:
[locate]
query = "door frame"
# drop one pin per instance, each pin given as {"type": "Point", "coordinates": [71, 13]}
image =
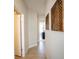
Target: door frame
{"type": "Point", "coordinates": [21, 32]}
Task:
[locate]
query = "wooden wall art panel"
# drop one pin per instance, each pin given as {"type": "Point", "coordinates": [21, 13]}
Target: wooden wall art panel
{"type": "Point", "coordinates": [47, 22]}
{"type": "Point", "coordinates": [57, 16]}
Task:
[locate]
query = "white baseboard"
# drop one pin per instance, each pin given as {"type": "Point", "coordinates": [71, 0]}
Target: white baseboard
{"type": "Point", "coordinates": [23, 53]}
{"type": "Point", "coordinates": [32, 45]}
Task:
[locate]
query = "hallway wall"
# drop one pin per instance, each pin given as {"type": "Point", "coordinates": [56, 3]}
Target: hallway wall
{"type": "Point", "coordinates": [30, 24]}
{"type": "Point", "coordinates": [32, 18]}
{"type": "Point", "coordinates": [22, 8]}
{"type": "Point", "coordinates": [54, 39]}
{"type": "Point", "coordinates": [54, 45]}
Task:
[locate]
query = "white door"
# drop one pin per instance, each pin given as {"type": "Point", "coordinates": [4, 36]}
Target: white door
{"type": "Point", "coordinates": [17, 41]}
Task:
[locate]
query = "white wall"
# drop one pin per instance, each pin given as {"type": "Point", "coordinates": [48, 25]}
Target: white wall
{"type": "Point", "coordinates": [20, 6]}
{"type": "Point", "coordinates": [32, 18]}
{"type": "Point", "coordinates": [30, 24]}
{"type": "Point", "coordinates": [54, 39]}
{"type": "Point", "coordinates": [54, 45]}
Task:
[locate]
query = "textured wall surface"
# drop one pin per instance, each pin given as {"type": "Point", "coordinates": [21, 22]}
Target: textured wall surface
{"type": "Point", "coordinates": [57, 16]}
{"type": "Point", "coordinates": [47, 22]}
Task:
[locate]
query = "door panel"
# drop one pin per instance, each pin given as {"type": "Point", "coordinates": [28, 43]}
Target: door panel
{"type": "Point", "coordinates": [17, 41]}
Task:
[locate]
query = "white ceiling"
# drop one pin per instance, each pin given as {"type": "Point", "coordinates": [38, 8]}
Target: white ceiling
{"type": "Point", "coordinates": [37, 5]}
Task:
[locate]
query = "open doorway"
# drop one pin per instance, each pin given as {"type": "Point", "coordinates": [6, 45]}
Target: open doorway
{"type": "Point", "coordinates": [41, 30]}
{"type": "Point", "coordinates": [18, 34]}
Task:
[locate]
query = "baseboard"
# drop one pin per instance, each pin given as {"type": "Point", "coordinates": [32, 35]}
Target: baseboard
{"type": "Point", "coordinates": [23, 53]}
{"type": "Point", "coordinates": [33, 45]}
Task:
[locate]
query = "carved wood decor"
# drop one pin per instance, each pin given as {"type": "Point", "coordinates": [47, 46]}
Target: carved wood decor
{"type": "Point", "coordinates": [57, 16]}
{"type": "Point", "coordinates": [47, 22]}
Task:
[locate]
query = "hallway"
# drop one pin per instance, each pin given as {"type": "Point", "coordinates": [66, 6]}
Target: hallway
{"type": "Point", "coordinates": [37, 52]}
{"type": "Point", "coordinates": [36, 11]}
